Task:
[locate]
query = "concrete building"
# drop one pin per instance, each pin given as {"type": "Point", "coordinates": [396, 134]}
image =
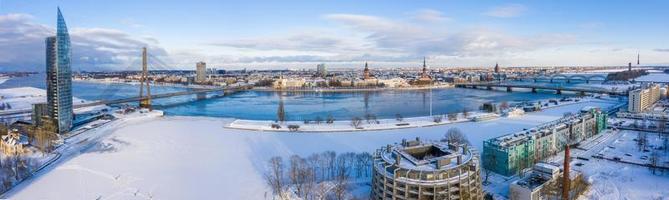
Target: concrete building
{"type": "Point", "coordinates": [535, 186]}
{"type": "Point", "coordinates": [201, 72]}
{"type": "Point", "coordinates": [426, 170]}
{"type": "Point", "coordinates": [284, 83]}
{"type": "Point", "coordinates": [59, 77]}
{"type": "Point", "coordinates": [511, 154]}
{"type": "Point", "coordinates": [321, 70]}
{"type": "Point", "coordinates": [643, 98]}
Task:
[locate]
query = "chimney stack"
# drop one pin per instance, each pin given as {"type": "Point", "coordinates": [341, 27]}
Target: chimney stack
{"type": "Point", "coordinates": [565, 174]}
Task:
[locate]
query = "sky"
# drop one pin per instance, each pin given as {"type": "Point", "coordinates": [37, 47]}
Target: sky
{"type": "Point", "coordinates": [295, 34]}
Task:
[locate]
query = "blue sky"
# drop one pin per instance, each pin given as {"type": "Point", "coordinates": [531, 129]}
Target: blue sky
{"type": "Point", "coordinates": [341, 33]}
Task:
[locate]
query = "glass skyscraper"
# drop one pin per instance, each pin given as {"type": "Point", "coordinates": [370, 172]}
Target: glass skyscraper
{"type": "Point", "coordinates": [59, 77]}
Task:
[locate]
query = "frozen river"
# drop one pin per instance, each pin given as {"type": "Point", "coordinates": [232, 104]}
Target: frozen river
{"type": "Point", "coordinates": [260, 105]}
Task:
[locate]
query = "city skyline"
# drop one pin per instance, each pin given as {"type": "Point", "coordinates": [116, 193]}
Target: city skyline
{"type": "Point", "coordinates": [301, 34]}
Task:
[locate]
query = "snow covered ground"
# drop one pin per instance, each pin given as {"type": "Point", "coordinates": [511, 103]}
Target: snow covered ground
{"type": "Point", "coordinates": [3, 79]}
{"type": "Point", "coordinates": [22, 98]}
{"type": "Point", "coordinates": [383, 124]}
{"type": "Point", "coordinates": [197, 158]}
{"type": "Point", "coordinates": [662, 77]}
{"type": "Point", "coordinates": [615, 180]}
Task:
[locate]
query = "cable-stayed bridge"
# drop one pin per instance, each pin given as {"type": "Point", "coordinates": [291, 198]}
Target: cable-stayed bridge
{"type": "Point", "coordinates": [144, 98]}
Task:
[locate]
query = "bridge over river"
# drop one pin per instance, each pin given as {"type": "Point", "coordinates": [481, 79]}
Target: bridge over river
{"type": "Point", "coordinates": [226, 90]}
{"type": "Point", "coordinates": [558, 89]}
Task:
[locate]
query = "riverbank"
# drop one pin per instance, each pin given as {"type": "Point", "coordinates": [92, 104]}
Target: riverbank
{"type": "Point", "coordinates": [105, 81]}
{"type": "Point", "coordinates": [269, 89]}
{"type": "Point", "coordinates": [3, 79]}
{"type": "Point", "coordinates": [404, 123]}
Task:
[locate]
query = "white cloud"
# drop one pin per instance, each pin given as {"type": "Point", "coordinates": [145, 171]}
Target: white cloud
{"type": "Point", "coordinates": [506, 11]}
{"type": "Point", "coordinates": [22, 45]}
{"type": "Point", "coordinates": [429, 15]}
{"type": "Point", "coordinates": [386, 40]}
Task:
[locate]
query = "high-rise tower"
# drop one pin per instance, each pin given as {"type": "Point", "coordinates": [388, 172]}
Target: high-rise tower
{"type": "Point", "coordinates": [59, 77]}
{"type": "Point", "coordinates": [201, 72]}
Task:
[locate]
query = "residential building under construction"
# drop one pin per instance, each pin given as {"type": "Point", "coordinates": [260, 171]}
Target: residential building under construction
{"type": "Point", "coordinates": [426, 170]}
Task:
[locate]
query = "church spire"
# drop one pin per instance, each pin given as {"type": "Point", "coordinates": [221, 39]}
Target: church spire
{"type": "Point", "coordinates": [365, 73]}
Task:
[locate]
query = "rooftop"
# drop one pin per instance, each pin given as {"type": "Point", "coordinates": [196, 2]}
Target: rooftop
{"type": "Point", "coordinates": [517, 137]}
{"type": "Point", "coordinates": [426, 155]}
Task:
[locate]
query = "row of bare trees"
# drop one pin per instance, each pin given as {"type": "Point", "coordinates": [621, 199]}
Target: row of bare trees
{"type": "Point", "coordinates": [323, 175]}
{"type": "Point", "coordinates": [318, 120]}
{"type": "Point", "coordinates": [14, 168]}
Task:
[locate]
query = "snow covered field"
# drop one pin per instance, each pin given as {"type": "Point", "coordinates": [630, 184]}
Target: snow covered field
{"type": "Point", "coordinates": [197, 158]}
{"type": "Point", "coordinates": [614, 180]}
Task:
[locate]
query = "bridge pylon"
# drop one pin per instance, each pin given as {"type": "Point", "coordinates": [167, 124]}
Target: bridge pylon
{"type": "Point", "coordinates": [144, 100]}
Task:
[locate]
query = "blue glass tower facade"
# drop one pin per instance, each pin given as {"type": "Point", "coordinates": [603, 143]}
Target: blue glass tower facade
{"type": "Point", "coordinates": [59, 77]}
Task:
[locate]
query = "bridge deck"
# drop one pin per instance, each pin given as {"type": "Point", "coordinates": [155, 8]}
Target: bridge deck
{"type": "Point", "coordinates": [137, 99]}
{"type": "Point", "coordinates": [543, 87]}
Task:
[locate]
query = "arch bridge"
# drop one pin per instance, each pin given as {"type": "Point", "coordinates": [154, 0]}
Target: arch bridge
{"type": "Point", "coordinates": [558, 89]}
{"type": "Point", "coordinates": [567, 78]}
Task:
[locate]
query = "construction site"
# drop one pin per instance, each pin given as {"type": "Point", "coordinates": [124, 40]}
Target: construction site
{"type": "Point", "coordinates": [426, 170]}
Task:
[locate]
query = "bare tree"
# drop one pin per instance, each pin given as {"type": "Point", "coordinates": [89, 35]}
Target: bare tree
{"type": "Point", "coordinates": [437, 118]}
{"type": "Point", "coordinates": [369, 118]}
{"type": "Point", "coordinates": [399, 117]}
{"type": "Point", "coordinates": [330, 119]}
{"type": "Point", "coordinates": [661, 127]}
{"type": "Point", "coordinates": [567, 114]}
{"type": "Point", "coordinates": [341, 180]}
{"type": "Point", "coordinates": [455, 136]}
{"type": "Point", "coordinates": [314, 161]}
{"type": "Point", "coordinates": [504, 105]}
{"type": "Point", "coordinates": [490, 160]}
{"type": "Point", "coordinates": [274, 177]}
{"type": "Point", "coordinates": [330, 157]}
{"type": "Point", "coordinates": [665, 145]}
{"type": "Point", "coordinates": [465, 112]}
{"type": "Point", "coordinates": [641, 140]}
{"type": "Point", "coordinates": [654, 159]}
{"type": "Point", "coordinates": [355, 122]}
{"type": "Point", "coordinates": [294, 174]}
{"type": "Point", "coordinates": [318, 120]}
{"type": "Point", "coordinates": [452, 116]}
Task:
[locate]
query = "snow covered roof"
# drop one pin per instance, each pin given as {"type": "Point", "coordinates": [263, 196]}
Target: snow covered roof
{"type": "Point", "coordinates": [15, 139]}
{"type": "Point", "coordinates": [426, 155]}
{"type": "Point", "coordinates": [511, 139]}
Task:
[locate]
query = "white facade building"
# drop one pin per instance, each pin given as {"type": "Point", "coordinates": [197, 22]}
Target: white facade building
{"type": "Point", "coordinates": [641, 99]}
